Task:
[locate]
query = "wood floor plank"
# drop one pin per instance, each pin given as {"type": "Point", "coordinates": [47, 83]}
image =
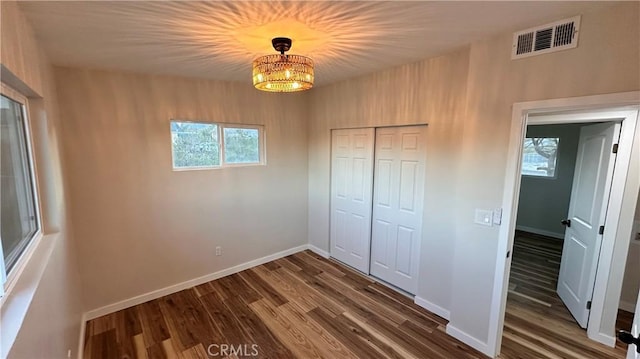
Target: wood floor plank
{"type": "Point", "coordinates": [257, 330]}
{"type": "Point", "coordinates": [155, 351]}
{"type": "Point", "coordinates": [358, 345]}
{"type": "Point", "coordinates": [196, 352]}
{"type": "Point", "coordinates": [321, 264]}
{"type": "Point", "coordinates": [228, 329]}
{"type": "Point", "coordinates": [287, 288]}
{"type": "Point", "coordinates": [139, 347]}
{"type": "Point", "coordinates": [104, 344]}
{"type": "Point", "coordinates": [303, 265]}
{"type": "Point", "coordinates": [271, 265]}
{"type": "Point", "coordinates": [287, 331]}
{"type": "Point", "coordinates": [154, 327]}
{"type": "Point", "coordinates": [386, 344]}
{"type": "Point", "coordinates": [262, 287]}
{"type": "Point", "coordinates": [187, 319]}
{"type": "Point", "coordinates": [325, 342]}
{"type": "Point", "coordinates": [418, 316]}
{"type": "Point", "coordinates": [343, 299]}
{"type": "Point", "coordinates": [235, 286]}
{"type": "Point", "coordinates": [283, 263]}
{"type": "Point", "coordinates": [127, 325]}
{"type": "Point", "coordinates": [297, 279]}
{"type": "Point", "coordinates": [436, 343]}
{"type": "Point", "coordinates": [357, 296]}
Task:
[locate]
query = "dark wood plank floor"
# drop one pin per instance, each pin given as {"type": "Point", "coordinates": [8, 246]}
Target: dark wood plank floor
{"type": "Point", "coordinates": [537, 324]}
{"type": "Point", "coordinates": [301, 306]}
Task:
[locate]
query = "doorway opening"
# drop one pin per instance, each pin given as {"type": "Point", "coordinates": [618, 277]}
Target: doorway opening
{"type": "Point", "coordinates": [615, 238]}
{"type": "Point", "coordinates": [567, 170]}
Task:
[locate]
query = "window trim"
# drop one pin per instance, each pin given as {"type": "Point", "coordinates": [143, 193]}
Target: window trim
{"type": "Point", "coordinates": [555, 172]}
{"type": "Point", "coordinates": [8, 280]}
{"type": "Point", "coordinates": [223, 164]}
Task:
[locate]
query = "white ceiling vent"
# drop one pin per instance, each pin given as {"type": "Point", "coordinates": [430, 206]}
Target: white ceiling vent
{"type": "Point", "coordinates": [556, 36]}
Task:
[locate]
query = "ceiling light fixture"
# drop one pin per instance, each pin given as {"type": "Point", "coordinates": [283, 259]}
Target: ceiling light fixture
{"type": "Point", "coordinates": [280, 72]}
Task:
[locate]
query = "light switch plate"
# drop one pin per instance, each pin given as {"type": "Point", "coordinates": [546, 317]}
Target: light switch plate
{"type": "Point", "coordinates": [497, 216]}
{"type": "Point", "coordinates": [484, 217]}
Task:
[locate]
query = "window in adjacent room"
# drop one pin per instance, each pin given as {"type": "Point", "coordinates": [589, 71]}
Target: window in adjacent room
{"type": "Point", "coordinates": [199, 145]}
{"type": "Point", "coordinates": [540, 155]}
{"type": "Point", "coordinates": [18, 215]}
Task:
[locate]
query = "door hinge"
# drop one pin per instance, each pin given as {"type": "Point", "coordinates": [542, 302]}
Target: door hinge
{"type": "Point", "coordinates": [589, 305]}
{"type": "Point", "coordinates": [601, 230]}
{"type": "Point", "coordinates": [508, 254]}
{"type": "Point", "coordinates": [615, 148]}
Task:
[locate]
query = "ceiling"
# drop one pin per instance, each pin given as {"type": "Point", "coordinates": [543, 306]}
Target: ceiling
{"type": "Point", "coordinates": [218, 40]}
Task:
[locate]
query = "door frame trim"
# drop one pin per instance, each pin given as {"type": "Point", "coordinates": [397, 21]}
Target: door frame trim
{"type": "Point", "coordinates": [619, 212]}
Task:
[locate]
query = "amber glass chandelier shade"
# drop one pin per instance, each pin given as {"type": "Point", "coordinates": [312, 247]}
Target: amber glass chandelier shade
{"type": "Point", "coordinates": [283, 73]}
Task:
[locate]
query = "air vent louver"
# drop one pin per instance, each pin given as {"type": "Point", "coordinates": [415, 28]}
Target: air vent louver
{"type": "Point", "coordinates": [559, 35]}
{"type": "Point", "coordinates": [564, 34]}
{"type": "Point", "coordinates": [543, 39]}
{"type": "Point", "coordinates": [525, 43]}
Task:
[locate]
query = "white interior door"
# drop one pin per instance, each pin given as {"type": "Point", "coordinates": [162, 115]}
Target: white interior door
{"type": "Point", "coordinates": [351, 196]}
{"type": "Point", "coordinates": [587, 210]}
{"type": "Point", "coordinates": [400, 157]}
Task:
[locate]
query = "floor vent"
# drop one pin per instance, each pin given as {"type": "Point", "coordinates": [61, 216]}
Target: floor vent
{"type": "Point", "coordinates": [556, 36]}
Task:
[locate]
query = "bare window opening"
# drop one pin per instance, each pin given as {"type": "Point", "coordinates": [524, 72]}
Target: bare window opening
{"type": "Point", "coordinates": [18, 215]}
{"type": "Point", "coordinates": [197, 145]}
{"type": "Point", "coordinates": [540, 156]}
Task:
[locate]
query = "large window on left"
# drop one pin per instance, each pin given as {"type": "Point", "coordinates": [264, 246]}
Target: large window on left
{"type": "Point", "coordinates": [18, 215]}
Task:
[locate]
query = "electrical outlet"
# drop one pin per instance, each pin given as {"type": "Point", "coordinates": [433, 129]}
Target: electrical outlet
{"type": "Point", "coordinates": [218, 251]}
{"type": "Point", "coordinates": [68, 353]}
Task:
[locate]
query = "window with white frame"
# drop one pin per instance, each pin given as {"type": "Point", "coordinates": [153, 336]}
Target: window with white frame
{"type": "Point", "coordinates": [19, 223]}
{"type": "Point", "coordinates": [201, 145]}
{"type": "Point", "coordinates": [539, 156]}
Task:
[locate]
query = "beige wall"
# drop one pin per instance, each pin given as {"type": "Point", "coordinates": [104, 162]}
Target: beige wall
{"type": "Point", "coordinates": [52, 322]}
{"type": "Point", "coordinates": [140, 226]}
{"type": "Point", "coordinates": [430, 91]}
{"type": "Point", "coordinates": [603, 63]}
{"type": "Point", "coordinates": [468, 138]}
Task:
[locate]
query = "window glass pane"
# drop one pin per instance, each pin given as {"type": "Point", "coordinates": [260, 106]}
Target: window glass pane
{"type": "Point", "coordinates": [17, 215]}
{"type": "Point", "coordinates": [540, 156]}
{"type": "Point", "coordinates": [241, 145]}
{"type": "Point", "coordinates": [195, 144]}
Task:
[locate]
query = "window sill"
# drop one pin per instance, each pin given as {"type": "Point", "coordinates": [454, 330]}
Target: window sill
{"type": "Point", "coordinates": [15, 303]}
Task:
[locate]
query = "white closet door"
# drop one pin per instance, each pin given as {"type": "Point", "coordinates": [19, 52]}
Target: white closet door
{"type": "Point", "coordinates": [400, 157]}
{"type": "Point", "coordinates": [351, 196]}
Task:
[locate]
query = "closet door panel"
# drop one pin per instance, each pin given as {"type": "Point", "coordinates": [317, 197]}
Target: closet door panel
{"type": "Point", "coordinates": [351, 196]}
{"type": "Point", "coordinates": [399, 174]}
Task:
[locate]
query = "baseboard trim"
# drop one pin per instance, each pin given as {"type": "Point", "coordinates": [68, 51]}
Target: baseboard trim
{"type": "Point", "coordinates": [433, 308]}
{"type": "Point", "coordinates": [628, 306]}
{"type": "Point", "coordinates": [468, 339]}
{"type": "Point", "coordinates": [541, 232]}
{"type": "Point", "coordinates": [318, 251]}
{"type": "Point", "coordinates": [83, 329]}
{"type": "Point", "coordinates": [603, 339]}
{"type": "Point", "coordinates": [142, 298]}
